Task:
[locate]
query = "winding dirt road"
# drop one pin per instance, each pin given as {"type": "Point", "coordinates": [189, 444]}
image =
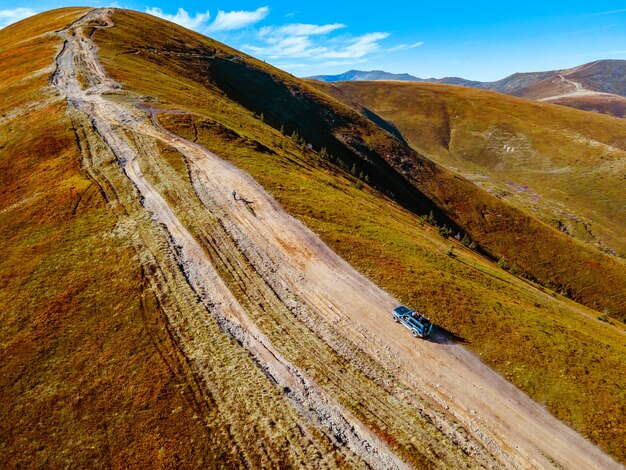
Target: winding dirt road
{"type": "Point", "coordinates": [312, 280]}
{"type": "Point", "coordinates": [579, 90]}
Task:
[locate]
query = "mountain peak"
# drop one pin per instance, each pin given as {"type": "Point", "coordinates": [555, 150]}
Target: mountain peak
{"type": "Point", "coordinates": [361, 75]}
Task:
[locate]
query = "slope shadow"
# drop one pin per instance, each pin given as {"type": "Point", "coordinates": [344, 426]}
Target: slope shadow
{"type": "Point", "coordinates": [294, 107]}
{"type": "Point", "coordinates": [386, 125]}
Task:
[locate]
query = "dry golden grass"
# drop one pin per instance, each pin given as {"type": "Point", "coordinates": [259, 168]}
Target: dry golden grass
{"type": "Point", "coordinates": [555, 350]}
{"type": "Point", "coordinates": [185, 68]}
{"type": "Point", "coordinates": [91, 374]}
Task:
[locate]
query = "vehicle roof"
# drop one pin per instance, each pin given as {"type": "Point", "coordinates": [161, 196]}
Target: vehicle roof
{"type": "Point", "coordinates": [402, 309]}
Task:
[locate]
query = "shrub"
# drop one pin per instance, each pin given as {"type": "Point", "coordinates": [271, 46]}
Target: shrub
{"type": "Point", "coordinates": [444, 231]}
{"type": "Point", "coordinates": [431, 219]}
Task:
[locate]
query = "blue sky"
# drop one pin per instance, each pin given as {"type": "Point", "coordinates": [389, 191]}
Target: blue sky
{"type": "Point", "coordinates": [478, 40]}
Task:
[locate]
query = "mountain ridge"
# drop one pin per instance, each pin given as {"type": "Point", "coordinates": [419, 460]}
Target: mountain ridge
{"type": "Point", "coordinates": [598, 86]}
{"type": "Point", "coordinates": [511, 83]}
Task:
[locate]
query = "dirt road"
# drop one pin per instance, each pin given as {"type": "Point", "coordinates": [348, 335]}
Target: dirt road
{"type": "Point", "coordinates": [579, 90]}
{"type": "Point", "coordinates": [308, 397]}
{"type": "Point", "coordinates": [312, 280]}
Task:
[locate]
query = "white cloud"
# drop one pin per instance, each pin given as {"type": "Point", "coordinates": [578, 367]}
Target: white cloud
{"type": "Point", "coordinates": [404, 47]}
{"type": "Point", "coordinates": [224, 21]}
{"type": "Point", "coordinates": [228, 21]}
{"type": "Point", "coordinates": [334, 63]}
{"type": "Point", "coordinates": [360, 46]}
{"type": "Point", "coordinates": [8, 17]}
{"type": "Point", "coordinates": [289, 47]}
{"type": "Point", "coordinates": [299, 29]}
{"type": "Point", "coordinates": [608, 12]}
{"type": "Point", "coordinates": [292, 65]}
{"type": "Point", "coordinates": [307, 41]}
{"type": "Point", "coordinates": [307, 65]}
{"type": "Point", "coordinates": [294, 44]}
{"type": "Point", "coordinates": [196, 22]}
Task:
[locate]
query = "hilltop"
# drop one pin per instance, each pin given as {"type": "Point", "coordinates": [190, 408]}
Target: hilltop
{"type": "Point", "coordinates": [203, 253]}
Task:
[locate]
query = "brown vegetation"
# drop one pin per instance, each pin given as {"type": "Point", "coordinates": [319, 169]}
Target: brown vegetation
{"type": "Point", "coordinates": [89, 355]}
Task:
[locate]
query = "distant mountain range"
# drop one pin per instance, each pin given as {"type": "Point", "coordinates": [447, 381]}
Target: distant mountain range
{"type": "Point", "coordinates": [597, 86]}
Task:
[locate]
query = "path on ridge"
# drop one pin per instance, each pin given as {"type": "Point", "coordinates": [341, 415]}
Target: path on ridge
{"type": "Point", "coordinates": [579, 90]}
{"type": "Point", "coordinates": [309, 275]}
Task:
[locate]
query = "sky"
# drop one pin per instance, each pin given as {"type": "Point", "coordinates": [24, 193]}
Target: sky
{"type": "Point", "coordinates": [477, 40]}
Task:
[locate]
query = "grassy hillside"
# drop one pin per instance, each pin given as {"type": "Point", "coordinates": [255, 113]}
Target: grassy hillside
{"type": "Point", "coordinates": [554, 349]}
{"type": "Point", "coordinates": [84, 350]}
{"type": "Point", "coordinates": [91, 374]}
{"type": "Point", "coordinates": [563, 166]}
{"type": "Point", "coordinates": [611, 105]}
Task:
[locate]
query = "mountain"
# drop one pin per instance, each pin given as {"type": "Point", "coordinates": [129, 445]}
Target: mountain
{"type": "Point", "coordinates": [359, 75]}
{"type": "Point", "coordinates": [201, 258]}
{"type": "Point", "coordinates": [598, 86]}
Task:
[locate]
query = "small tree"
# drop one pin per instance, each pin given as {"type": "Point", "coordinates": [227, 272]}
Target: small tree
{"type": "Point", "coordinates": [604, 316]}
{"type": "Point", "coordinates": [467, 242]}
{"type": "Point", "coordinates": [431, 219]}
{"type": "Point", "coordinates": [444, 231]}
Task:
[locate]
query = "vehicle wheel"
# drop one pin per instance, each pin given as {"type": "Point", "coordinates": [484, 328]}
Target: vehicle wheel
{"type": "Point", "coordinates": [415, 333]}
{"type": "Point", "coordinates": [395, 319]}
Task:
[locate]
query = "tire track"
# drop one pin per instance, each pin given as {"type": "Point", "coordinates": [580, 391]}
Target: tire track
{"type": "Point", "coordinates": [106, 117]}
